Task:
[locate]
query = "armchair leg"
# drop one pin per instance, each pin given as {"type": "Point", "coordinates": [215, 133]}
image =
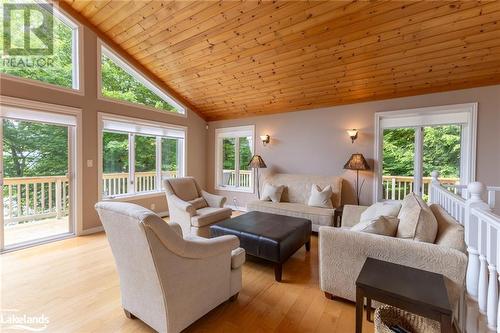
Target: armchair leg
{"type": "Point", "coordinates": [328, 295]}
{"type": "Point", "coordinates": [129, 315]}
{"type": "Point", "coordinates": [234, 297]}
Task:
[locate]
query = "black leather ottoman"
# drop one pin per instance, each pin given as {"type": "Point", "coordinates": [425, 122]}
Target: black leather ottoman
{"type": "Point", "coordinates": [268, 236]}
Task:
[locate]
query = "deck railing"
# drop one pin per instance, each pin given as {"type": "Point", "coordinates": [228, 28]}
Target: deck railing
{"type": "Point", "coordinates": [118, 183]}
{"type": "Point", "coordinates": [397, 187]}
{"type": "Point", "coordinates": [28, 198]}
{"type": "Point", "coordinates": [480, 310]}
{"type": "Point", "coordinates": [245, 178]}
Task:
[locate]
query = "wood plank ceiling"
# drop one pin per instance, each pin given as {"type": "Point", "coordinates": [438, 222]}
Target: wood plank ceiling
{"type": "Point", "coordinates": [232, 59]}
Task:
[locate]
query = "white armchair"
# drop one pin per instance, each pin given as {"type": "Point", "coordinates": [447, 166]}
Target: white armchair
{"type": "Point", "coordinates": [194, 209]}
{"type": "Point", "coordinates": [166, 281]}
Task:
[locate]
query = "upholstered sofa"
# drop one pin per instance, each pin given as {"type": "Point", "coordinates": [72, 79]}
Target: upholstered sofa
{"type": "Point", "coordinates": [168, 281]}
{"type": "Point", "coordinates": [296, 195]}
{"type": "Point", "coordinates": [194, 209]}
{"type": "Point", "coordinates": [342, 253]}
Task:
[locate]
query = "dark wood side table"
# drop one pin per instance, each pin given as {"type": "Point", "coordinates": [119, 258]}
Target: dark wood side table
{"type": "Point", "coordinates": [337, 216]}
{"type": "Point", "coordinates": [414, 290]}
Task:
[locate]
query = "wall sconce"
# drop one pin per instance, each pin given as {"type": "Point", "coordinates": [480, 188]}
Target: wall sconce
{"type": "Point", "coordinates": [353, 134]}
{"type": "Point", "coordinates": [265, 139]}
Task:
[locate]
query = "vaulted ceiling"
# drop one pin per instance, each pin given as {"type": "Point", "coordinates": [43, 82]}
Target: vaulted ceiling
{"type": "Point", "coordinates": [232, 59]}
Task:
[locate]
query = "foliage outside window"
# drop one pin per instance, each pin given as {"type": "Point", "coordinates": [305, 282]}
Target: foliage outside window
{"type": "Point", "coordinates": [127, 171]}
{"type": "Point", "coordinates": [121, 82]}
{"type": "Point", "coordinates": [234, 149]}
{"type": "Point", "coordinates": [58, 68]}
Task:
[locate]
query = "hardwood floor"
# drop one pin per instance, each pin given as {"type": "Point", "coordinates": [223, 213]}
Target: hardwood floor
{"type": "Point", "coordinates": [74, 283]}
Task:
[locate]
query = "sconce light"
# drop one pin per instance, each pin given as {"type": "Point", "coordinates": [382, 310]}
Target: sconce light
{"type": "Point", "coordinates": [265, 139]}
{"type": "Point", "coordinates": [353, 133]}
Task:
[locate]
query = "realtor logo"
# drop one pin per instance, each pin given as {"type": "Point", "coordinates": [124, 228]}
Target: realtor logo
{"type": "Point", "coordinates": [28, 29]}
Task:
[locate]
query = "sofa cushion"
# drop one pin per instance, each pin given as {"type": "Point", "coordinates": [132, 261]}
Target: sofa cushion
{"type": "Point", "coordinates": [450, 233]}
{"type": "Point", "coordinates": [298, 187]}
{"type": "Point", "coordinates": [384, 208]}
{"type": "Point", "coordinates": [272, 192]}
{"type": "Point", "coordinates": [208, 215]}
{"type": "Point", "coordinates": [416, 220]}
{"type": "Point", "coordinates": [318, 216]}
{"type": "Point", "coordinates": [320, 198]}
{"type": "Point", "coordinates": [198, 203]}
{"type": "Point", "coordinates": [381, 225]}
{"type": "Point", "coordinates": [184, 188]}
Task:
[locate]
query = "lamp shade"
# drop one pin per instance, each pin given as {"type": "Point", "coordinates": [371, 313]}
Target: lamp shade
{"type": "Point", "coordinates": [257, 162]}
{"type": "Point", "coordinates": [357, 162]}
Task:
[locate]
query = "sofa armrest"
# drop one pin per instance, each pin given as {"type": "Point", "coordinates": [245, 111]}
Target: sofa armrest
{"type": "Point", "coordinates": [342, 253]}
{"type": "Point", "coordinates": [351, 215]}
{"type": "Point", "coordinates": [182, 205]}
{"type": "Point", "coordinates": [213, 200]}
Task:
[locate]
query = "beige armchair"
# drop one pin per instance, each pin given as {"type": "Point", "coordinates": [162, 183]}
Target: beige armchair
{"type": "Point", "coordinates": [194, 209]}
{"type": "Point", "coordinates": [167, 281]}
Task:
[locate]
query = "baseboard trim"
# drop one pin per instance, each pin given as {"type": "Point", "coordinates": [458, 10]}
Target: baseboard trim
{"type": "Point", "coordinates": [238, 208]}
{"type": "Point", "coordinates": [163, 214]}
{"type": "Point", "coordinates": [91, 231]}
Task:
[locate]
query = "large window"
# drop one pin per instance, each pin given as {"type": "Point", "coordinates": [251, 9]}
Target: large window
{"type": "Point", "coordinates": [137, 156]}
{"type": "Point", "coordinates": [48, 53]}
{"type": "Point", "coordinates": [234, 150]}
{"type": "Point", "coordinates": [120, 81]}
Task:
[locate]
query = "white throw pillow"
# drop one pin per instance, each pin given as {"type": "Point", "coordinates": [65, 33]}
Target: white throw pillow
{"type": "Point", "coordinates": [416, 220]}
{"type": "Point", "coordinates": [380, 209]}
{"type": "Point", "coordinates": [321, 198]}
{"type": "Point", "coordinates": [382, 225]}
{"type": "Point", "coordinates": [272, 193]}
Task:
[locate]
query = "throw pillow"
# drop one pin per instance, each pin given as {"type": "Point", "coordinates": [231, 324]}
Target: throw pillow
{"type": "Point", "coordinates": [321, 198]}
{"type": "Point", "coordinates": [380, 209]}
{"type": "Point", "coordinates": [382, 225]}
{"type": "Point", "coordinates": [450, 233]}
{"type": "Point", "coordinates": [198, 203]}
{"type": "Point", "coordinates": [416, 220]}
{"type": "Point", "coordinates": [272, 193]}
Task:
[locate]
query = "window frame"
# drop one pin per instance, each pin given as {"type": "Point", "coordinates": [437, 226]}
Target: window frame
{"type": "Point", "coordinates": [138, 123]}
{"type": "Point", "coordinates": [462, 114]}
{"type": "Point", "coordinates": [232, 132]}
{"type": "Point", "coordinates": [102, 48]}
{"type": "Point", "coordinates": [77, 55]}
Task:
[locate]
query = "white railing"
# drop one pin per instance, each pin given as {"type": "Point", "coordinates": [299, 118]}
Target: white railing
{"type": "Point", "coordinates": [397, 187]}
{"type": "Point", "coordinates": [118, 183]}
{"type": "Point", "coordinates": [229, 178]}
{"type": "Point", "coordinates": [30, 198]}
{"type": "Point", "coordinates": [482, 237]}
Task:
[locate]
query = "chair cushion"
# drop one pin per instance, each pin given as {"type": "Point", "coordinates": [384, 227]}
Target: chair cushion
{"type": "Point", "coordinates": [237, 258]}
{"type": "Point", "coordinates": [208, 215]}
{"type": "Point", "coordinates": [318, 216]}
{"type": "Point", "coordinates": [184, 188]}
{"type": "Point", "coordinates": [198, 203]}
{"type": "Point", "coordinates": [450, 233]}
{"type": "Point", "coordinates": [416, 220]}
{"type": "Point", "coordinates": [382, 225]}
{"type": "Point", "coordinates": [272, 192]}
{"type": "Point", "coordinates": [384, 208]}
{"type": "Point", "coordinates": [320, 198]}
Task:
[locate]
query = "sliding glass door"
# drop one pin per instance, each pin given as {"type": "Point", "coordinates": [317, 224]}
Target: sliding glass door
{"type": "Point", "coordinates": [413, 143]}
{"type": "Point", "coordinates": [36, 180]}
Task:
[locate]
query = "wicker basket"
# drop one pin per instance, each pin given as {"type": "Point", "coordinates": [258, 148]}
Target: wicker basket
{"type": "Point", "coordinates": [386, 316]}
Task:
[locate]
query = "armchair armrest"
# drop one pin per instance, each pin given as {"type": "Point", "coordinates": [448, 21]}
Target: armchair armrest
{"type": "Point", "coordinates": [177, 228]}
{"type": "Point", "coordinates": [342, 253]}
{"type": "Point", "coordinates": [213, 200]}
{"type": "Point", "coordinates": [181, 204]}
{"type": "Point", "coordinates": [351, 215]}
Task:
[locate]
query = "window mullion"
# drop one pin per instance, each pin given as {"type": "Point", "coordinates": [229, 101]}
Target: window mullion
{"type": "Point", "coordinates": [159, 155]}
{"type": "Point", "coordinates": [237, 161]}
{"type": "Point", "coordinates": [131, 163]}
{"type": "Point", "coordinates": [418, 167]}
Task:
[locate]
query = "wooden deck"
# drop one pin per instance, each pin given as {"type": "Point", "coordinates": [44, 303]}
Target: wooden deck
{"type": "Point", "coordinates": [28, 231]}
{"type": "Point", "coordinates": [75, 284]}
